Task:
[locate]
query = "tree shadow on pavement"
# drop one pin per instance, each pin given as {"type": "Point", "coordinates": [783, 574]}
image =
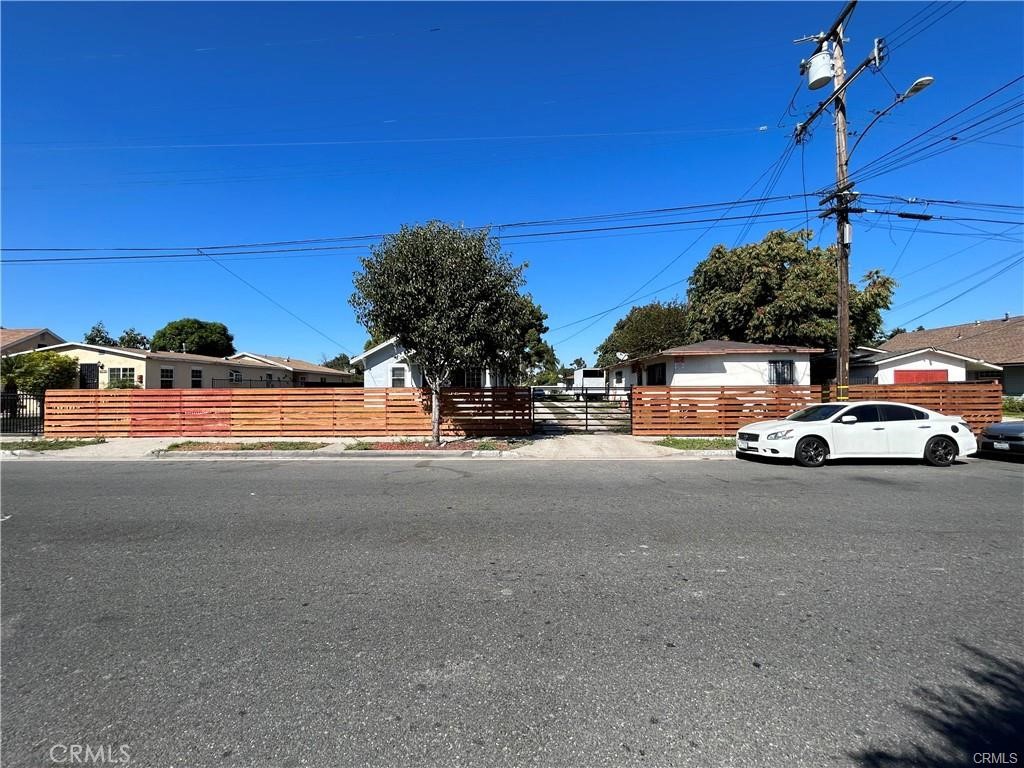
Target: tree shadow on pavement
{"type": "Point", "coordinates": [963, 721]}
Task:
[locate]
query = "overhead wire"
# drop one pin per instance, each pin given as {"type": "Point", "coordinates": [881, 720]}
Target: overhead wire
{"type": "Point", "coordinates": [974, 287]}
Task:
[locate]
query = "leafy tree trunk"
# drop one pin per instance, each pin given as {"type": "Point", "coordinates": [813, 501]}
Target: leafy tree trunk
{"type": "Point", "coordinates": [435, 414]}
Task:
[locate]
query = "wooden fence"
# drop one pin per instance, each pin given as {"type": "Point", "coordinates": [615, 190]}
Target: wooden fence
{"type": "Point", "coordinates": [723, 410]}
{"type": "Point", "coordinates": [714, 410]}
{"type": "Point", "coordinates": [330, 412]}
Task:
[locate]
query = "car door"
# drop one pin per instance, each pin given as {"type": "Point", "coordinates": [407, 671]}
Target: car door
{"type": "Point", "coordinates": [865, 437]}
{"type": "Point", "coordinates": [906, 429]}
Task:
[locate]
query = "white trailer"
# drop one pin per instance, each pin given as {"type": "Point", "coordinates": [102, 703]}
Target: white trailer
{"type": "Point", "coordinates": [590, 383]}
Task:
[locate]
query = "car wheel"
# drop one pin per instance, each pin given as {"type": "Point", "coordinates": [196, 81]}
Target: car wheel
{"type": "Point", "coordinates": [811, 452]}
{"type": "Point", "coordinates": [940, 451]}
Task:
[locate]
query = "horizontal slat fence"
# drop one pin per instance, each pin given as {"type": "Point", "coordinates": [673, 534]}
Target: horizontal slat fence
{"type": "Point", "coordinates": [709, 411]}
{"type": "Point", "coordinates": [306, 412]}
{"type": "Point", "coordinates": [979, 402]}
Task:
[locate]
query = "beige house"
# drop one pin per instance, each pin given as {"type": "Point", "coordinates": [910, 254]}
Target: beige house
{"type": "Point", "coordinates": [14, 340]}
{"type": "Point", "coordinates": [101, 367]}
{"type": "Point", "coordinates": [302, 372]}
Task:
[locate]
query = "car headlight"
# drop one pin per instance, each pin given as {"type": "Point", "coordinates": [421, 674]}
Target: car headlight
{"type": "Point", "coordinates": [782, 435]}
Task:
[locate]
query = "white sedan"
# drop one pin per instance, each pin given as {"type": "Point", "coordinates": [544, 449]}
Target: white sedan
{"type": "Point", "coordinates": [864, 429]}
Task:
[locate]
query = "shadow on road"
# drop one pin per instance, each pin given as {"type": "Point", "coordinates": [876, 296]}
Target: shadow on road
{"type": "Point", "coordinates": [986, 717]}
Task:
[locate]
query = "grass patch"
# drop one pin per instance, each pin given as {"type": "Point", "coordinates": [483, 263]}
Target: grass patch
{"type": "Point", "coordinates": [268, 445]}
{"type": "Point", "coordinates": [698, 443]}
{"type": "Point", "coordinates": [48, 445]}
{"type": "Point", "coordinates": [359, 445]}
{"type": "Point", "coordinates": [1013, 406]}
{"type": "Point", "coordinates": [488, 445]}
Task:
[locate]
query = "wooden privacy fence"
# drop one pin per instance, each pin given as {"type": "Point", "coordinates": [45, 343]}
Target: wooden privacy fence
{"type": "Point", "coordinates": [306, 412]}
{"type": "Point", "coordinates": [723, 410]}
{"type": "Point", "coordinates": [714, 410]}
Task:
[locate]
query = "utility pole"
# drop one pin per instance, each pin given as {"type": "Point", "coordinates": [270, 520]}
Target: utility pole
{"type": "Point", "coordinates": [844, 194]}
{"type": "Point", "coordinates": [843, 227]}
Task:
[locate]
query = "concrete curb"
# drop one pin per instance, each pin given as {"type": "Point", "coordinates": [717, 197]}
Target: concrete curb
{"type": "Point", "coordinates": [163, 455]}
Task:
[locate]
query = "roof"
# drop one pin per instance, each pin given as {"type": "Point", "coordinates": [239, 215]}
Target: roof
{"type": "Point", "coordinates": [145, 354]}
{"type": "Point", "coordinates": [995, 341]}
{"type": "Point", "coordinates": [365, 354]}
{"type": "Point", "coordinates": [293, 364]}
{"type": "Point", "coordinates": [879, 357]}
{"type": "Point", "coordinates": [14, 335]}
{"type": "Point", "coordinates": [720, 347]}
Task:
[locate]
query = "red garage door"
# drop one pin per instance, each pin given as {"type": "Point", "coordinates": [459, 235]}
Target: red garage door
{"type": "Point", "coordinates": [916, 377]}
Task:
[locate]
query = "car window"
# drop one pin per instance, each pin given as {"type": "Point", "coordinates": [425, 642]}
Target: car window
{"type": "Point", "coordinates": [816, 413]}
{"type": "Point", "coordinates": [865, 413]}
{"type": "Point", "coordinates": [898, 413]}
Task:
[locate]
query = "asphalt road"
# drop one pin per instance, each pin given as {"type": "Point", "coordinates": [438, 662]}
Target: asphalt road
{"type": "Point", "coordinates": [504, 613]}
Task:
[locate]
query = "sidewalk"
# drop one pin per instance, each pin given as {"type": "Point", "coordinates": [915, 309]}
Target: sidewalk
{"type": "Point", "coordinates": [606, 447]}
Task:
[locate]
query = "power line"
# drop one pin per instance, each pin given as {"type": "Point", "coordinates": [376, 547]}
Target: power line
{"type": "Point", "coordinates": [651, 212]}
{"type": "Point", "coordinates": [276, 303]}
{"type": "Point", "coordinates": [968, 290]}
{"type": "Point", "coordinates": [956, 282]}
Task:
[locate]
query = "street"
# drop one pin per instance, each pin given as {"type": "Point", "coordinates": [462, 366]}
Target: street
{"type": "Point", "coordinates": [512, 613]}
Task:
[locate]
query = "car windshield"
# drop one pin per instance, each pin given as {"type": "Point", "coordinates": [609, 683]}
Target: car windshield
{"type": "Point", "coordinates": [816, 413]}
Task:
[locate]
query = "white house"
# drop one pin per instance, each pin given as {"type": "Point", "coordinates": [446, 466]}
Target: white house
{"type": "Point", "coordinates": [386, 366]}
{"type": "Point", "coordinates": [878, 366]}
{"type": "Point", "coordinates": [716, 364]}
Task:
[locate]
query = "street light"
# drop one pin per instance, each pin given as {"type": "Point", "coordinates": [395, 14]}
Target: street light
{"type": "Point", "coordinates": [916, 87]}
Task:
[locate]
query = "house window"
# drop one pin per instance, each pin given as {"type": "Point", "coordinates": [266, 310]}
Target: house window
{"type": "Point", "coordinates": [235, 377]}
{"type": "Point", "coordinates": [398, 376]}
{"type": "Point", "coordinates": [197, 378]}
{"type": "Point", "coordinates": [656, 375]}
{"type": "Point", "coordinates": [781, 372]}
{"type": "Point", "coordinates": [618, 378]}
{"type": "Point", "coordinates": [474, 378]}
{"type": "Point", "coordinates": [121, 374]}
{"type": "Point", "coordinates": [166, 378]}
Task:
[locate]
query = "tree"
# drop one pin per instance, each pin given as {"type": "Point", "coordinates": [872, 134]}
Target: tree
{"type": "Point", "coordinates": [579, 362]}
{"type": "Point", "coordinates": [132, 339]}
{"type": "Point", "coordinates": [36, 372]}
{"type": "Point", "coordinates": [339, 362]}
{"type": "Point", "coordinates": [645, 331]}
{"type": "Point", "coordinates": [538, 357]}
{"type": "Point", "coordinates": [98, 335]}
{"type": "Point", "coordinates": [780, 291]}
{"type": "Point", "coordinates": [450, 298]}
{"type": "Point", "coordinates": [198, 337]}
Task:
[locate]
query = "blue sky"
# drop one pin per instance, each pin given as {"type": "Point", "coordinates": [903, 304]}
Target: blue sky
{"type": "Point", "coordinates": [146, 125]}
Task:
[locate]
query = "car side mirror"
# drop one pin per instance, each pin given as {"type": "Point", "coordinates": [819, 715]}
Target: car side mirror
{"type": "Point", "coordinates": [848, 419]}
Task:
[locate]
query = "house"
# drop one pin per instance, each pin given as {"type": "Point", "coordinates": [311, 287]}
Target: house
{"type": "Point", "coordinates": [996, 342]}
{"type": "Point", "coordinates": [878, 366]}
{"type": "Point", "coordinates": [717, 363]}
{"type": "Point", "coordinates": [102, 366]}
{"type": "Point", "coordinates": [301, 372]}
{"type": "Point", "coordinates": [14, 340]}
{"type": "Point", "coordinates": [386, 366]}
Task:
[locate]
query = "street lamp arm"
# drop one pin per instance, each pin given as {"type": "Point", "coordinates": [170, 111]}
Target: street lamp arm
{"type": "Point", "coordinates": [899, 100]}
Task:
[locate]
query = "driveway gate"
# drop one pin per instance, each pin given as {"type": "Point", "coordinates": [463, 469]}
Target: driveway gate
{"type": "Point", "coordinates": [558, 410]}
{"type": "Point", "coordinates": [21, 414]}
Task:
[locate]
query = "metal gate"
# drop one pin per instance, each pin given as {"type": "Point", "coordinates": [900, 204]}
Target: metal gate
{"type": "Point", "coordinates": [21, 414]}
{"type": "Point", "coordinates": [561, 410]}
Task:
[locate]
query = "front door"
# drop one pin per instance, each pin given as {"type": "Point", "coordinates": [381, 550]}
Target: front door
{"type": "Point", "coordinates": [89, 376]}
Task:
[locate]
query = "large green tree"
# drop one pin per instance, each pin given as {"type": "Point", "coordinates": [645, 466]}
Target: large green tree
{"type": "Point", "coordinates": [646, 330]}
{"type": "Point", "coordinates": [98, 335]}
{"type": "Point", "coordinates": [36, 372]}
{"type": "Point", "coordinates": [197, 337]}
{"type": "Point", "coordinates": [450, 297]}
{"type": "Point", "coordinates": [780, 291]}
{"type": "Point", "coordinates": [132, 339]}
